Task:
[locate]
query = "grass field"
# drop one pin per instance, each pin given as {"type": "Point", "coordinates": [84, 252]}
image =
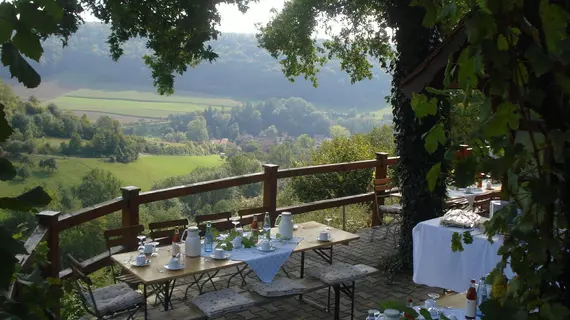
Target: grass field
{"type": "Point", "coordinates": [141, 173]}
{"type": "Point", "coordinates": [135, 103]}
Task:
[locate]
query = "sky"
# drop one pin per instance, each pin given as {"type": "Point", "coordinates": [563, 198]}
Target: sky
{"type": "Point", "coordinates": [236, 22]}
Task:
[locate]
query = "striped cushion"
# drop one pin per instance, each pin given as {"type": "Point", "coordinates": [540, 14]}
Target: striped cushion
{"type": "Point", "coordinates": [220, 302]}
{"type": "Point", "coordinates": [114, 298]}
{"type": "Point", "coordinates": [279, 287]}
{"type": "Point", "coordinates": [340, 272]}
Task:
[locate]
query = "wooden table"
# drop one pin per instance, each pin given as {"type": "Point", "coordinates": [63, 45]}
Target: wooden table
{"type": "Point", "coordinates": [155, 274]}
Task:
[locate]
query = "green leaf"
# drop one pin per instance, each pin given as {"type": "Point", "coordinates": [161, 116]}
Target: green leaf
{"type": "Point", "coordinates": [52, 8]}
{"type": "Point", "coordinates": [5, 128]}
{"type": "Point", "coordinates": [469, 68]}
{"type": "Point", "coordinates": [559, 139]}
{"type": "Point", "coordinates": [7, 21]}
{"type": "Point", "coordinates": [467, 237]}
{"type": "Point", "coordinates": [456, 245]}
{"type": "Point", "coordinates": [502, 43]}
{"type": "Point", "coordinates": [563, 81]}
{"type": "Point", "coordinates": [554, 20]}
{"type": "Point", "coordinates": [29, 44]}
{"type": "Point", "coordinates": [434, 137]}
{"type": "Point", "coordinates": [7, 170]}
{"type": "Point", "coordinates": [425, 314]}
{"type": "Point", "coordinates": [504, 119]}
{"type": "Point", "coordinates": [448, 72]}
{"type": "Point", "coordinates": [34, 198]}
{"type": "Point", "coordinates": [423, 106]}
{"type": "Point", "coordinates": [433, 175]}
{"type": "Point", "coordinates": [521, 74]}
{"type": "Point", "coordinates": [19, 67]}
{"type": "Point", "coordinates": [539, 61]}
{"type": "Point", "coordinates": [9, 248]}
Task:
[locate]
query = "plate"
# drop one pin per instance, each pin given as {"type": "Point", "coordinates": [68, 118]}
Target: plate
{"type": "Point", "coordinates": [226, 255]}
{"type": "Point", "coordinates": [271, 249]}
{"type": "Point", "coordinates": [168, 267]}
{"type": "Point", "coordinates": [134, 264]}
{"type": "Point", "coordinates": [328, 240]}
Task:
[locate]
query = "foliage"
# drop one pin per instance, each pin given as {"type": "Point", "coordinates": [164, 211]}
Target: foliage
{"type": "Point", "coordinates": [513, 67]}
{"type": "Point", "coordinates": [337, 184]}
{"type": "Point", "coordinates": [49, 164]}
{"type": "Point", "coordinates": [97, 186]}
{"type": "Point", "coordinates": [37, 293]}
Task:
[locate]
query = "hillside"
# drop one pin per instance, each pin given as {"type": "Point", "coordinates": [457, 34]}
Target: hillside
{"type": "Point", "coordinates": [141, 173]}
{"type": "Point", "coordinates": [243, 71]}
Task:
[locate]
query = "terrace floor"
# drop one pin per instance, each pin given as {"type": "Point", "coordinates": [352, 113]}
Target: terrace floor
{"type": "Point", "coordinates": [369, 291]}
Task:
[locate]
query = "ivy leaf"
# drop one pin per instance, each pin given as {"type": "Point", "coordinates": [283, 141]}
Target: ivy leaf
{"type": "Point", "coordinates": [433, 175]}
{"type": "Point", "coordinates": [502, 43]}
{"type": "Point", "coordinates": [19, 67]}
{"type": "Point", "coordinates": [521, 74]}
{"type": "Point", "coordinates": [425, 314]}
{"type": "Point", "coordinates": [434, 137]}
{"type": "Point", "coordinates": [467, 237]}
{"type": "Point", "coordinates": [563, 81]}
{"type": "Point", "coordinates": [29, 44]}
{"type": "Point", "coordinates": [9, 248]}
{"type": "Point", "coordinates": [554, 19]}
{"type": "Point", "coordinates": [7, 170]}
{"type": "Point", "coordinates": [423, 106]}
{"type": "Point", "coordinates": [503, 120]}
{"type": "Point", "coordinates": [7, 21]}
{"type": "Point", "coordinates": [456, 245]}
{"type": "Point", "coordinates": [539, 61]}
{"type": "Point", "coordinates": [52, 8]}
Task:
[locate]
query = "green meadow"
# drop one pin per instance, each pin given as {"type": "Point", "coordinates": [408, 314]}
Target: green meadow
{"type": "Point", "coordinates": [141, 173]}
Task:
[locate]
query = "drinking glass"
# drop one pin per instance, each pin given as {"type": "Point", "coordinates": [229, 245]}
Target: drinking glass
{"type": "Point", "coordinates": [141, 242]}
{"type": "Point", "coordinates": [328, 219]}
{"type": "Point", "coordinates": [431, 304]}
{"type": "Point", "coordinates": [155, 251]}
{"type": "Point", "coordinates": [235, 219]}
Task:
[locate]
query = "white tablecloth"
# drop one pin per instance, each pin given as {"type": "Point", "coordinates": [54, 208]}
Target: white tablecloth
{"type": "Point", "coordinates": [435, 265]}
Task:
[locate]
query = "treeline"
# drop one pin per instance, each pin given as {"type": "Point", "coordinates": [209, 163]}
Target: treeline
{"type": "Point", "coordinates": [274, 117]}
{"type": "Point", "coordinates": [104, 138]}
{"type": "Point", "coordinates": [242, 71]}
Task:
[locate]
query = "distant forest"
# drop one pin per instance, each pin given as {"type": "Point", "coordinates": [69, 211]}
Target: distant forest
{"type": "Point", "coordinates": [242, 71]}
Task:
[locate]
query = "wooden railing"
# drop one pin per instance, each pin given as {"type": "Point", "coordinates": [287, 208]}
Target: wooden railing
{"type": "Point", "coordinates": [52, 223]}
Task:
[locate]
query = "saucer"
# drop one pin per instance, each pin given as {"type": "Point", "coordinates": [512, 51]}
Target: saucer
{"type": "Point", "coordinates": [270, 249]}
{"type": "Point", "coordinates": [134, 264]}
{"type": "Point", "coordinates": [174, 268]}
{"type": "Point", "coordinates": [325, 240]}
{"type": "Point", "coordinates": [226, 255]}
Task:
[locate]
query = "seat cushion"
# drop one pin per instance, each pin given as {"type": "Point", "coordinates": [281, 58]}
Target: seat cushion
{"type": "Point", "coordinates": [340, 272]}
{"type": "Point", "coordinates": [114, 298]}
{"type": "Point", "coordinates": [220, 302]}
{"type": "Point", "coordinates": [392, 208]}
{"type": "Point", "coordinates": [278, 287]}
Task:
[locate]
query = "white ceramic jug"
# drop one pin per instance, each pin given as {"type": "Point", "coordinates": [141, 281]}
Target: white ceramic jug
{"type": "Point", "coordinates": [192, 246]}
{"type": "Point", "coordinates": [285, 226]}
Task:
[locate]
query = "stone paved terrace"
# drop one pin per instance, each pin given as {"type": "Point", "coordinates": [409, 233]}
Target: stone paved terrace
{"type": "Point", "coordinates": [369, 291]}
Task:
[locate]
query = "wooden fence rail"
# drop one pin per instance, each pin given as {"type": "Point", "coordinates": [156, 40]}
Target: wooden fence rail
{"type": "Point", "coordinates": [52, 223]}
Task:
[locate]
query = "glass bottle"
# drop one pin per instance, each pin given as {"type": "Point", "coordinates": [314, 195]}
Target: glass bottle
{"type": "Point", "coordinates": [481, 295]}
{"type": "Point", "coordinates": [471, 302]}
{"type": "Point", "coordinates": [208, 238]}
{"type": "Point", "coordinates": [267, 225]}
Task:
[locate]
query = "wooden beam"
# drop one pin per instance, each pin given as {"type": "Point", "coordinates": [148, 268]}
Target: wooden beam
{"type": "Point", "coordinates": [195, 188]}
{"type": "Point", "coordinates": [392, 161]}
{"type": "Point", "coordinates": [130, 212]}
{"type": "Point", "coordinates": [90, 213]}
{"type": "Point", "coordinates": [326, 168]}
{"type": "Point", "coordinates": [326, 204]}
{"type": "Point", "coordinates": [380, 174]}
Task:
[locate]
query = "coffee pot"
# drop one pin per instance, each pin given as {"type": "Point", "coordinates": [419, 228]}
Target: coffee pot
{"type": "Point", "coordinates": [191, 238]}
{"type": "Point", "coordinates": [285, 226]}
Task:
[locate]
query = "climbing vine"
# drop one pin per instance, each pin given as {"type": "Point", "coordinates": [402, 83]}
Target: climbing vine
{"type": "Point", "coordinates": [514, 67]}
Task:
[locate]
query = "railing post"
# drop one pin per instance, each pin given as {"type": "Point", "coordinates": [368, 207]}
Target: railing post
{"type": "Point", "coordinates": [381, 173]}
{"type": "Point", "coordinates": [50, 221]}
{"type": "Point", "coordinates": [270, 190]}
{"type": "Point", "coordinates": [131, 208]}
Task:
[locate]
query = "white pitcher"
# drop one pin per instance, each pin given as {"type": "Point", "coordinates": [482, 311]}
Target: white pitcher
{"type": "Point", "coordinates": [192, 245]}
{"type": "Point", "coordinates": [285, 226]}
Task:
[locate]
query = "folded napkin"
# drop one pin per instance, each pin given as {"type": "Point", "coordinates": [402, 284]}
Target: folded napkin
{"type": "Point", "coordinates": [460, 218]}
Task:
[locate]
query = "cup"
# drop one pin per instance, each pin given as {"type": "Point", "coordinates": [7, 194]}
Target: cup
{"type": "Point", "coordinates": [148, 248]}
{"type": "Point", "coordinates": [240, 231]}
{"type": "Point", "coordinates": [219, 253]}
{"type": "Point", "coordinates": [140, 260]}
{"type": "Point", "coordinates": [265, 245]}
{"type": "Point", "coordinates": [174, 262]}
{"type": "Point", "coordinates": [324, 236]}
